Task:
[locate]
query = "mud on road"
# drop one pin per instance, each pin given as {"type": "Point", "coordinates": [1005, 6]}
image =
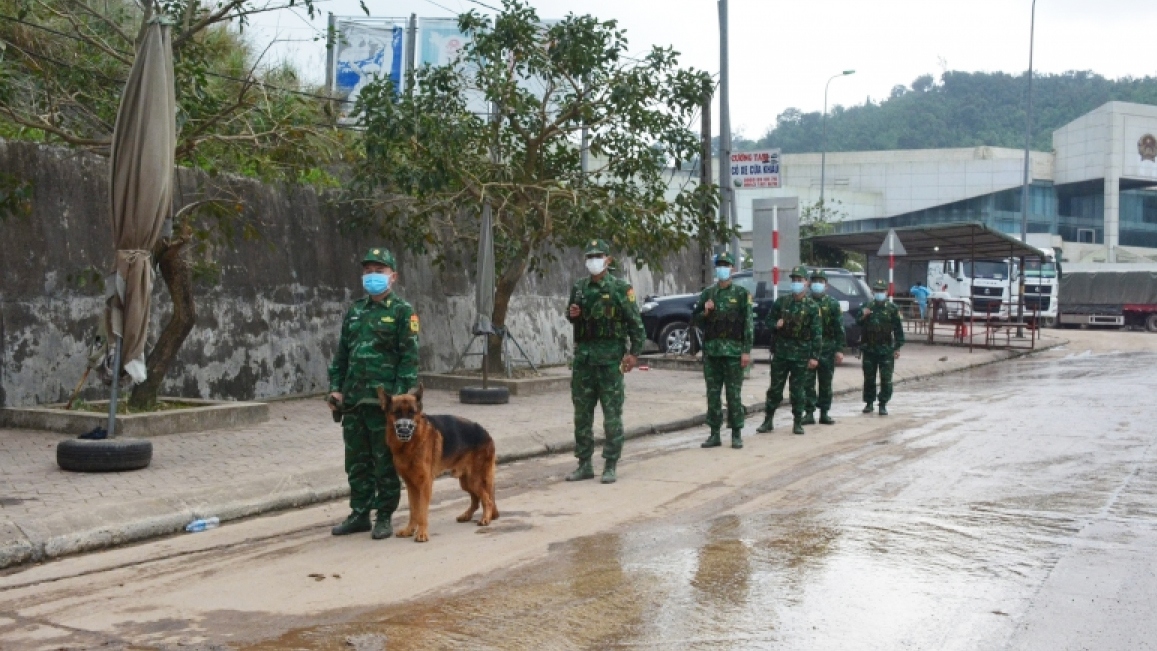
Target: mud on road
{"type": "Point", "coordinates": [1011, 506]}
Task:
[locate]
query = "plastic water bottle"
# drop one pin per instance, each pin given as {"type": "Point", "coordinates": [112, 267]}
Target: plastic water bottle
{"type": "Point", "coordinates": [203, 524]}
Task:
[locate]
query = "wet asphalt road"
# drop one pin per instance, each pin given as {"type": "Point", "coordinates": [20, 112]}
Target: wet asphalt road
{"type": "Point", "coordinates": [1010, 507]}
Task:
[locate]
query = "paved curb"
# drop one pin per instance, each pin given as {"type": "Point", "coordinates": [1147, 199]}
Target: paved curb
{"type": "Point", "coordinates": [19, 545]}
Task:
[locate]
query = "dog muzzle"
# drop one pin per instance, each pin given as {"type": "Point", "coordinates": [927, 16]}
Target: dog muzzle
{"type": "Point", "coordinates": [404, 429]}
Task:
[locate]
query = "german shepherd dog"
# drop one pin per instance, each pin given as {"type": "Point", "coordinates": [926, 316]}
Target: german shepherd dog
{"type": "Point", "coordinates": [425, 446]}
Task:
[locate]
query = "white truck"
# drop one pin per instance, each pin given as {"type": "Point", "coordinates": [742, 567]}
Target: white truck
{"type": "Point", "coordinates": [991, 288]}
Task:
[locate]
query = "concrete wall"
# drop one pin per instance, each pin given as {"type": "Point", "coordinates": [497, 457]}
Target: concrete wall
{"type": "Point", "coordinates": [269, 326]}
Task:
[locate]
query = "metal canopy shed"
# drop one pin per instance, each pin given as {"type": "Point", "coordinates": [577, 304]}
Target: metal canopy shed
{"type": "Point", "coordinates": [961, 241]}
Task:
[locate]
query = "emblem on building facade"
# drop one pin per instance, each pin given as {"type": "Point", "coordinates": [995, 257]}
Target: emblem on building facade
{"type": "Point", "coordinates": [1147, 147]}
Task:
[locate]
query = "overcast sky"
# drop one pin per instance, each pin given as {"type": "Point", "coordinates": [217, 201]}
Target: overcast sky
{"type": "Point", "coordinates": [782, 52]}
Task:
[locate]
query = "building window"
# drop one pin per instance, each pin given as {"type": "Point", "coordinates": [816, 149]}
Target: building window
{"type": "Point", "coordinates": [1086, 236]}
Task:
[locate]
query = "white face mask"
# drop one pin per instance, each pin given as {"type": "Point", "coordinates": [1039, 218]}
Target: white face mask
{"type": "Point", "coordinates": [596, 265]}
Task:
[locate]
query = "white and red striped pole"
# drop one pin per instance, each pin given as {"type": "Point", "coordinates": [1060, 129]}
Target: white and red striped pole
{"type": "Point", "coordinates": [774, 252]}
{"type": "Point", "coordinates": [891, 266]}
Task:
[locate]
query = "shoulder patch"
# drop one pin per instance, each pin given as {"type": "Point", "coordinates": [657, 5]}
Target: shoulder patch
{"type": "Point", "coordinates": [414, 327]}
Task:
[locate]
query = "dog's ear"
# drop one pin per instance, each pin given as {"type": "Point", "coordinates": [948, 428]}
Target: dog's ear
{"type": "Point", "coordinates": [417, 392]}
{"type": "Point", "coordinates": [384, 399]}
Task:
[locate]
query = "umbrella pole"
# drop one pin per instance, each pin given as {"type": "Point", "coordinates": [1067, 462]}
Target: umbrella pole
{"type": "Point", "coordinates": [485, 361]}
{"type": "Point", "coordinates": [116, 376]}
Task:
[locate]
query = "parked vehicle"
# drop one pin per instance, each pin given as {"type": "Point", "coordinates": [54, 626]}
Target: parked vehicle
{"type": "Point", "coordinates": [1109, 295]}
{"type": "Point", "coordinates": [991, 288]}
{"type": "Point", "coordinates": [667, 319]}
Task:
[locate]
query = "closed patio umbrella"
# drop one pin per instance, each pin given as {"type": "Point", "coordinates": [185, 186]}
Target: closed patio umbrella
{"type": "Point", "coordinates": [140, 197]}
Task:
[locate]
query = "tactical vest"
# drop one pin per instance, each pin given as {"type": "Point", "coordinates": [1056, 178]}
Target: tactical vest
{"type": "Point", "coordinates": [724, 324]}
{"type": "Point", "coordinates": [831, 323]}
{"type": "Point", "coordinates": [879, 330]}
{"type": "Point", "coordinates": [794, 326]}
{"type": "Point", "coordinates": [601, 318]}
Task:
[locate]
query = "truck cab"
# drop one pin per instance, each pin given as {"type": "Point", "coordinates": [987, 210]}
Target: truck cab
{"type": "Point", "coordinates": [985, 288]}
{"type": "Point", "coordinates": [1042, 288]}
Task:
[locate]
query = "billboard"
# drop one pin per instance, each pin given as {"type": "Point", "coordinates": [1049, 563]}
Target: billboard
{"type": "Point", "coordinates": [365, 50]}
{"type": "Point", "coordinates": [439, 41]}
{"type": "Point", "coordinates": [755, 169]}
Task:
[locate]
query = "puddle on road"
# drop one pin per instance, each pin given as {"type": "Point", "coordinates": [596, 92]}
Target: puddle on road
{"type": "Point", "coordinates": [689, 586]}
{"type": "Point", "coordinates": [802, 578]}
{"type": "Point", "coordinates": [939, 540]}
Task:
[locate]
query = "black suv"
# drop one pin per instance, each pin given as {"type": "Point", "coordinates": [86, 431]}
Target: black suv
{"type": "Point", "coordinates": [667, 318]}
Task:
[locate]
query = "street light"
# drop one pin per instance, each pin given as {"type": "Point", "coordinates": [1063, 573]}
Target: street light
{"type": "Point", "coordinates": [824, 140]}
{"type": "Point", "coordinates": [1027, 179]}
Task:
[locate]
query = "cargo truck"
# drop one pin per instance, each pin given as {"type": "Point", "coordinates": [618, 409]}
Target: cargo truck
{"type": "Point", "coordinates": [1115, 295]}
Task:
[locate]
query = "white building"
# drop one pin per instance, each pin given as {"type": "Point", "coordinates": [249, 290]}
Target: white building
{"type": "Point", "coordinates": [1096, 192]}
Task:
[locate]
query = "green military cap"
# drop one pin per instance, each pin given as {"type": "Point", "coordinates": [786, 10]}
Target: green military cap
{"type": "Point", "coordinates": [598, 247]}
{"type": "Point", "coordinates": [880, 286]}
{"type": "Point", "coordinates": [819, 274]}
{"type": "Point", "coordinates": [380, 255]}
{"type": "Point", "coordinates": [724, 258]}
{"type": "Point", "coordinates": [800, 272]}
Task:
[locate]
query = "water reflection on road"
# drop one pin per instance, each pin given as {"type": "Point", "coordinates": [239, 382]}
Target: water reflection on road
{"type": "Point", "coordinates": [960, 530]}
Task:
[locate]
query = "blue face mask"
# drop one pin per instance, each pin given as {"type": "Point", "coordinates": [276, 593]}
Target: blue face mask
{"type": "Point", "coordinates": [797, 287]}
{"type": "Point", "coordinates": [723, 273]}
{"type": "Point", "coordinates": [375, 284]}
{"type": "Point", "coordinates": [881, 297]}
{"type": "Point", "coordinates": [818, 288]}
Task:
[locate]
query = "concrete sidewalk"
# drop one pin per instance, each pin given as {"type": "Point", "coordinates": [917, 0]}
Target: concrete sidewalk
{"type": "Point", "coordinates": [296, 458]}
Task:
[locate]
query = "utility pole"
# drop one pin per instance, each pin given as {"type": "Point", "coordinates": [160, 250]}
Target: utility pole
{"type": "Point", "coordinates": [727, 210]}
{"type": "Point", "coordinates": [705, 169]}
{"type": "Point", "coordinates": [330, 44]}
{"type": "Point", "coordinates": [1027, 179]}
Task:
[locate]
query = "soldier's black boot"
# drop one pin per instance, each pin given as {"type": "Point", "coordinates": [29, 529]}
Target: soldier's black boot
{"type": "Point", "coordinates": [797, 426]}
{"type": "Point", "coordinates": [712, 441]}
{"type": "Point", "coordinates": [825, 419]}
{"type": "Point", "coordinates": [809, 419]}
{"type": "Point", "coordinates": [868, 408]}
{"type": "Point", "coordinates": [609, 472]}
{"type": "Point", "coordinates": [357, 522]}
{"type": "Point", "coordinates": [883, 410]}
{"type": "Point", "coordinates": [736, 439]}
{"type": "Point", "coordinates": [382, 528]}
{"type": "Point", "coordinates": [766, 426]}
{"type": "Point", "coordinates": [584, 471]}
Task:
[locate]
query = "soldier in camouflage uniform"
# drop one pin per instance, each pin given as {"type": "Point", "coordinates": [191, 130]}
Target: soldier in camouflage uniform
{"type": "Point", "coordinates": [608, 335]}
{"type": "Point", "coordinates": [724, 313]}
{"type": "Point", "coordinates": [883, 336]}
{"type": "Point", "coordinates": [378, 348]}
{"type": "Point", "coordinates": [795, 320]}
{"type": "Point", "coordinates": [831, 351]}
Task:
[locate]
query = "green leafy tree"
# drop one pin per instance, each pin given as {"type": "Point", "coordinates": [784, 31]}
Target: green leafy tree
{"type": "Point", "coordinates": [962, 110]}
{"type": "Point", "coordinates": [432, 159]}
{"type": "Point", "coordinates": [63, 66]}
{"type": "Point", "coordinates": [821, 218]}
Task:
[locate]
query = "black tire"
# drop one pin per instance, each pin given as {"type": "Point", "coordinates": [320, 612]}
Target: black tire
{"type": "Point", "coordinates": [110, 455]}
{"type": "Point", "coordinates": [1151, 323]}
{"type": "Point", "coordinates": [480, 396]}
{"type": "Point", "coordinates": [674, 339]}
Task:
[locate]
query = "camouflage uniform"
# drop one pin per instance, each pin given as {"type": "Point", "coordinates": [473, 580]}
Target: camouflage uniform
{"type": "Point", "coordinates": [883, 336]}
{"type": "Point", "coordinates": [832, 334]}
{"type": "Point", "coordinates": [795, 343]}
{"type": "Point", "coordinates": [728, 333]}
{"type": "Point", "coordinates": [378, 348]}
{"type": "Point", "coordinates": [609, 318]}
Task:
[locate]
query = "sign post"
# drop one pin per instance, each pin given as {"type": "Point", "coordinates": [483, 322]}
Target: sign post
{"type": "Point", "coordinates": [774, 252]}
{"type": "Point", "coordinates": [891, 247]}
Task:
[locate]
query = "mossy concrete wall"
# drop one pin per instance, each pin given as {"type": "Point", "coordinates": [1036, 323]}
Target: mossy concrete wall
{"type": "Point", "coordinates": [268, 326]}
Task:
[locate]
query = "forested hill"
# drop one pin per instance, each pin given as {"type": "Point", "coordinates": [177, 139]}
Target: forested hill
{"type": "Point", "coordinates": [963, 109]}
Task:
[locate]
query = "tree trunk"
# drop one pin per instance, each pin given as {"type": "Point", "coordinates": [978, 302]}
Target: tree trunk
{"type": "Point", "coordinates": [503, 289]}
{"type": "Point", "coordinates": [178, 277]}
